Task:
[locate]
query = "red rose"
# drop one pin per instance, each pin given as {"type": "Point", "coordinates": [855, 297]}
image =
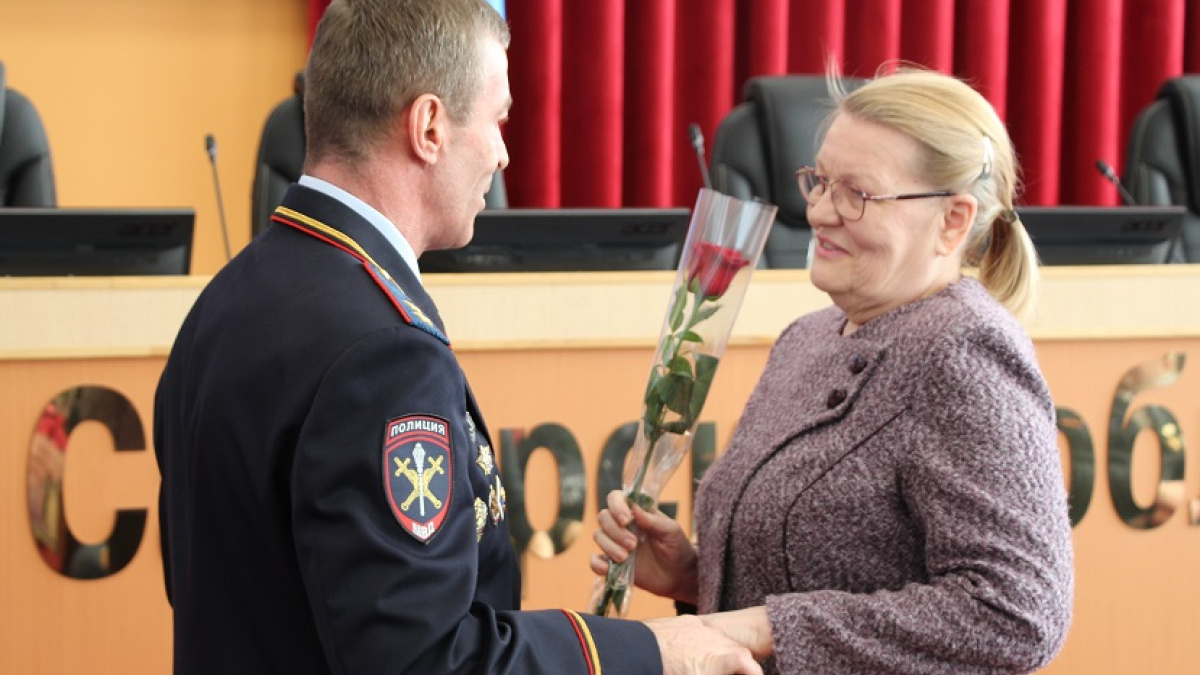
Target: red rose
{"type": "Point", "coordinates": [713, 268]}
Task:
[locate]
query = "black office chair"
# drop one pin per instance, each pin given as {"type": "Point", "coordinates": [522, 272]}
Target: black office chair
{"type": "Point", "coordinates": [760, 144]}
{"type": "Point", "coordinates": [1162, 160]}
{"type": "Point", "coordinates": [280, 156]}
{"type": "Point", "coordinates": [26, 175]}
{"type": "Point", "coordinates": [281, 160]}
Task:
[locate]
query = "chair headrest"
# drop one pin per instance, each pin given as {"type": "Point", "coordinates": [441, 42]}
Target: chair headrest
{"type": "Point", "coordinates": [791, 110]}
{"type": "Point", "coordinates": [1183, 95]}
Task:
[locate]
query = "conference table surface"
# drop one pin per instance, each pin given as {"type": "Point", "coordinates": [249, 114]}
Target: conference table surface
{"type": "Point", "coordinates": [131, 316]}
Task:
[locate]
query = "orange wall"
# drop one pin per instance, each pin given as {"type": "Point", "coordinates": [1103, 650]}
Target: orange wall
{"type": "Point", "coordinates": [120, 625]}
{"type": "Point", "coordinates": [128, 89]}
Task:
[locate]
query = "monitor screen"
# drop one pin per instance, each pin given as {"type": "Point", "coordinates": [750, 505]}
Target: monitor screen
{"type": "Point", "coordinates": [54, 242]}
{"type": "Point", "coordinates": [1104, 235]}
{"type": "Point", "coordinates": [568, 240]}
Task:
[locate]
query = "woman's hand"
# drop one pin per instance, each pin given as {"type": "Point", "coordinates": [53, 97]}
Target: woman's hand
{"type": "Point", "coordinates": [748, 627]}
{"type": "Point", "coordinates": [666, 559]}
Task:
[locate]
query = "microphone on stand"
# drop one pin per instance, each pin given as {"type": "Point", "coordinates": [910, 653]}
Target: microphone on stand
{"type": "Point", "coordinates": [698, 144]}
{"type": "Point", "coordinates": [1111, 176]}
{"type": "Point", "coordinates": [210, 145]}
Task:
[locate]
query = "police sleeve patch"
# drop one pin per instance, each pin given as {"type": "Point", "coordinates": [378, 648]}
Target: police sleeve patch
{"type": "Point", "coordinates": [418, 473]}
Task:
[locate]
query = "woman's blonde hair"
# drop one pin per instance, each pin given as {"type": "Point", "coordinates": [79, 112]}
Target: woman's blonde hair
{"type": "Point", "coordinates": [968, 151]}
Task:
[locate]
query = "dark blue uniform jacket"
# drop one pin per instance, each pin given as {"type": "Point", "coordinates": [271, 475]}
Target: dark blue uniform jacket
{"type": "Point", "coordinates": [330, 502]}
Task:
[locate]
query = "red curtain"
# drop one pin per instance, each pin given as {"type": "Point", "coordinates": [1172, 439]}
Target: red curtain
{"type": "Point", "coordinates": [315, 9]}
{"type": "Point", "coordinates": [604, 89]}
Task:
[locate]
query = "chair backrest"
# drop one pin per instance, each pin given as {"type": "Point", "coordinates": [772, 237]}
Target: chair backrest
{"type": "Point", "coordinates": [281, 160]}
{"type": "Point", "coordinates": [760, 144]}
{"type": "Point", "coordinates": [280, 157]}
{"type": "Point", "coordinates": [26, 174]}
{"type": "Point", "coordinates": [1162, 159]}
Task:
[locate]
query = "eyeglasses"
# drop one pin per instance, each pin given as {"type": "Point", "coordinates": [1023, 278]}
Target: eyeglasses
{"type": "Point", "coordinates": [849, 202]}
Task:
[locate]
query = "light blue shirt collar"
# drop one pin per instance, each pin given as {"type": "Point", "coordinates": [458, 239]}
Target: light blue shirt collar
{"type": "Point", "coordinates": [377, 219]}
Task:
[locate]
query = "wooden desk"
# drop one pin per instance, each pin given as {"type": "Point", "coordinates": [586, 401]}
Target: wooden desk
{"type": "Point", "coordinates": [1136, 607]}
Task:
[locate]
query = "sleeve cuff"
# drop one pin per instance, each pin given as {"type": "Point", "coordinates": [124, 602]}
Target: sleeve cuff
{"type": "Point", "coordinates": [616, 646]}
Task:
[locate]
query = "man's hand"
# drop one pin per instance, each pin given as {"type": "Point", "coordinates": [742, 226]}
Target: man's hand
{"type": "Point", "coordinates": [688, 647]}
{"type": "Point", "coordinates": [750, 627]}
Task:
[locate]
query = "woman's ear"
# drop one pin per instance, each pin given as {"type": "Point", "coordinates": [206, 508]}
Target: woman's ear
{"type": "Point", "coordinates": [956, 223]}
{"type": "Point", "coordinates": [426, 128]}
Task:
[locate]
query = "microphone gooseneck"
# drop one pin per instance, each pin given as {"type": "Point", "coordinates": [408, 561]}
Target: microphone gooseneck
{"type": "Point", "coordinates": [1111, 176]}
{"type": "Point", "coordinates": [698, 144]}
{"type": "Point", "coordinates": [210, 145]}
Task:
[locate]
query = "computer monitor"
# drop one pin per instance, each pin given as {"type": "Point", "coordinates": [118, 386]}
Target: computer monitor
{"type": "Point", "coordinates": [568, 240]}
{"type": "Point", "coordinates": [54, 242]}
{"type": "Point", "coordinates": [1104, 235]}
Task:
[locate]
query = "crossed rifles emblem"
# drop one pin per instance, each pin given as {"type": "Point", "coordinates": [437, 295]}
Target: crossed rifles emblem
{"type": "Point", "coordinates": [420, 477]}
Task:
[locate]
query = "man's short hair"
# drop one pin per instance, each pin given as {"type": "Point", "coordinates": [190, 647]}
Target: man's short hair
{"type": "Point", "coordinates": [370, 59]}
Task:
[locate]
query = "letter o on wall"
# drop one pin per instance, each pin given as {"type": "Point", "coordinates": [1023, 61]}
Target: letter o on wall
{"type": "Point", "coordinates": [515, 451]}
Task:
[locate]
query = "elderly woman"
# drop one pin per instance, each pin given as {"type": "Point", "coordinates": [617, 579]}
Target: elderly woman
{"type": "Point", "coordinates": [891, 500]}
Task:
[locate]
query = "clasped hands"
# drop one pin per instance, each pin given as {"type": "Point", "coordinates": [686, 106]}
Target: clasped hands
{"type": "Point", "coordinates": [667, 565]}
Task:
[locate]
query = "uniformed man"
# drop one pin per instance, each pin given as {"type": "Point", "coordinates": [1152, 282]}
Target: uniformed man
{"type": "Point", "coordinates": [330, 503]}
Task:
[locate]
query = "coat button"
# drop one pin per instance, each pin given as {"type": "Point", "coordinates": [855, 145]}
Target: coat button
{"type": "Point", "coordinates": [858, 363]}
{"type": "Point", "coordinates": [835, 398]}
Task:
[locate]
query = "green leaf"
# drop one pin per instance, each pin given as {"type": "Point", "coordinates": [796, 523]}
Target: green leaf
{"type": "Point", "coordinates": [691, 336]}
{"type": "Point", "coordinates": [614, 591]}
{"type": "Point", "coordinates": [642, 499]}
{"type": "Point", "coordinates": [654, 378]}
{"type": "Point", "coordinates": [675, 390]}
{"type": "Point", "coordinates": [703, 314]}
{"type": "Point", "coordinates": [665, 389]}
{"type": "Point", "coordinates": [680, 366]}
{"type": "Point", "coordinates": [652, 417]}
{"type": "Point", "coordinates": [706, 368]}
{"type": "Point", "coordinates": [677, 309]}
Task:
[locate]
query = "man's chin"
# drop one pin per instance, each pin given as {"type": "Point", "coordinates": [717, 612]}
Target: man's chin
{"type": "Point", "coordinates": [462, 239]}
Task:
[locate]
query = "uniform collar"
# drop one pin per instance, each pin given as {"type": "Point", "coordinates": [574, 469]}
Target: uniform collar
{"type": "Point", "coordinates": [372, 216]}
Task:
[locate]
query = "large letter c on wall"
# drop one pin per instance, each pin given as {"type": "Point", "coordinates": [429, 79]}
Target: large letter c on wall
{"type": "Point", "coordinates": [52, 535]}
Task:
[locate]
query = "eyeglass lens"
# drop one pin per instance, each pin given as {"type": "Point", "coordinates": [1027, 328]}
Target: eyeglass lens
{"type": "Point", "coordinates": [846, 200]}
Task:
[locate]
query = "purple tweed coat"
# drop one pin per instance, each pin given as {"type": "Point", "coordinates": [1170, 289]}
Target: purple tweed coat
{"type": "Point", "coordinates": [895, 497]}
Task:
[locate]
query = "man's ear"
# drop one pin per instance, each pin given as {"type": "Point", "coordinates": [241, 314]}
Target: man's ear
{"type": "Point", "coordinates": [426, 128]}
{"type": "Point", "coordinates": [956, 223]}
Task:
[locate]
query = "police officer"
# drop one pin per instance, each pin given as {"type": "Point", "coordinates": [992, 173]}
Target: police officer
{"type": "Point", "coordinates": [330, 502]}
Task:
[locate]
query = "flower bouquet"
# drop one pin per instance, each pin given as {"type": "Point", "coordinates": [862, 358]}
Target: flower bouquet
{"type": "Point", "coordinates": [724, 242]}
